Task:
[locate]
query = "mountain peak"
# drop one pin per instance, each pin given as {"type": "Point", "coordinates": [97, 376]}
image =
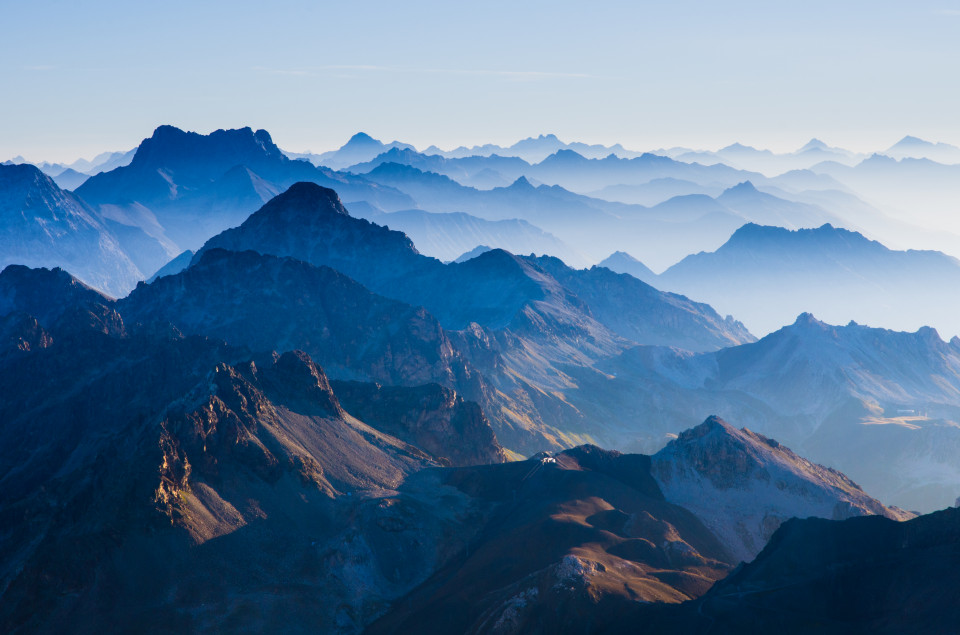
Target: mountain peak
{"type": "Point", "coordinates": [24, 175]}
{"type": "Point", "coordinates": [711, 425]}
{"type": "Point", "coordinates": [910, 140]}
{"type": "Point", "coordinates": [306, 198]}
{"type": "Point", "coordinates": [746, 187]}
{"type": "Point", "coordinates": [473, 253]}
{"type": "Point", "coordinates": [753, 479]}
{"type": "Point", "coordinates": [166, 131]}
{"type": "Point", "coordinates": [171, 146]}
{"type": "Point", "coordinates": [814, 144]}
{"type": "Point", "coordinates": [622, 262]}
{"type": "Point", "coordinates": [299, 379]}
{"type": "Point", "coordinates": [737, 146]}
{"type": "Point", "coordinates": [44, 293]}
{"type": "Point", "coordinates": [362, 139]}
{"type": "Point", "coordinates": [825, 234]}
{"type": "Point", "coordinates": [522, 184]}
{"type": "Point", "coordinates": [751, 231]}
{"type": "Point", "coordinates": [392, 169]}
{"type": "Point", "coordinates": [566, 156]}
{"type": "Point", "coordinates": [807, 319]}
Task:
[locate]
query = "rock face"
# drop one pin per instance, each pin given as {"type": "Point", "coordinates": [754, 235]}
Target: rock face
{"type": "Point", "coordinates": [40, 305]}
{"type": "Point", "coordinates": [431, 417]}
{"type": "Point", "coordinates": [44, 226]}
{"type": "Point", "coordinates": [269, 303]}
{"type": "Point", "coordinates": [173, 481]}
{"type": "Point", "coordinates": [268, 423]}
{"type": "Point", "coordinates": [45, 294]}
{"type": "Point", "coordinates": [568, 543]}
{"type": "Point", "coordinates": [177, 480]}
{"type": "Point", "coordinates": [744, 485]}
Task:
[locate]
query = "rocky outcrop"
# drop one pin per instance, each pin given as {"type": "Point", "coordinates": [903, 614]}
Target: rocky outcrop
{"type": "Point", "coordinates": [569, 542]}
{"type": "Point", "coordinates": [269, 303]}
{"type": "Point", "coordinates": [431, 417]}
{"type": "Point", "coordinates": [265, 424]}
{"type": "Point", "coordinates": [149, 478]}
{"type": "Point", "coordinates": [744, 485]}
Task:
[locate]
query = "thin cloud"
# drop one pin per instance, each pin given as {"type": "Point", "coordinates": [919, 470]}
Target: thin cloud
{"type": "Point", "coordinates": [280, 71]}
{"type": "Point", "coordinates": [40, 67]}
{"type": "Point", "coordinates": [511, 75]}
{"type": "Point", "coordinates": [953, 12]}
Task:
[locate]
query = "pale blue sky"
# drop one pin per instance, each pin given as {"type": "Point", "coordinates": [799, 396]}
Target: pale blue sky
{"type": "Point", "coordinates": [77, 78]}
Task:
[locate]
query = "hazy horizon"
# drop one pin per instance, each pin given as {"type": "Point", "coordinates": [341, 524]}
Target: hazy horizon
{"type": "Point", "coordinates": [423, 145]}
{"type": "Point", "coordinates": [81, 80]}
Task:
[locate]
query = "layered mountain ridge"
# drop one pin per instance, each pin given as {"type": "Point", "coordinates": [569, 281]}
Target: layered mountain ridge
{"type": "Point", "coordinates": [765, 275]}
{"type": "Point", "coordinates": [224, 472]}
{"type": "Point", "coordinates": [44, 226]}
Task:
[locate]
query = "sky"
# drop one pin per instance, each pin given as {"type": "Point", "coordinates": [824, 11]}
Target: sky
{"type": "Point", "coordinates": [79, 78]}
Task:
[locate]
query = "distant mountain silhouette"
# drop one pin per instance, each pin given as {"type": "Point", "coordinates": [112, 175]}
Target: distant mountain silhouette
{"type": "Point", "coordinates": [175, 265]}
{"type": "Point", "coordinates": [447, 235]}
{"type": "Point", "coordinates": [915, 148]}
{"type": "Point", "coordinates": [928, 189]}
{"type": "Point", "coordinates": [766, 275]}
{"type": "Point", "coordinates": [769, 163]}
{"type": "Point", "coordinates": [359, 148]}
{"type": "Point", "coordinates": [822, 390]}
{"type": "Point", "coordinates": [622, 262]}
{"type": "Point", "coordinates": [44, 226]}
{"type": "Point", "coordinates": [473, 253]}
{"type": "Point", "coordinates": [70, 179]}
{"type": "Point", "coordinates": [534, 149]}
{"type": "Point", "coordinates": [185, 187]}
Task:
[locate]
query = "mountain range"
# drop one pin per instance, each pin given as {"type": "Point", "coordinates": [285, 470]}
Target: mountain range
{"type": "Point", "coordinates": [664, 233]}
{"type": "Point", "coordinates": [446, 236]}
{"type": "Point", "coordinates": [766, 275]}
{"type": "Point", "coordinates": [308, 418]}
{"type": "Point", "coordinates": [195, 481]}
{"type": "Point", "coordinates": [560, 362]}
{"type": "Point", "coordinates": [359, 148]}
{"type": "Point", "coordinates": [822, 390]}
{"type": "Point", "coordinates": [184, 187]}
{"type": "Point", "coordinates": [515, 321]}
